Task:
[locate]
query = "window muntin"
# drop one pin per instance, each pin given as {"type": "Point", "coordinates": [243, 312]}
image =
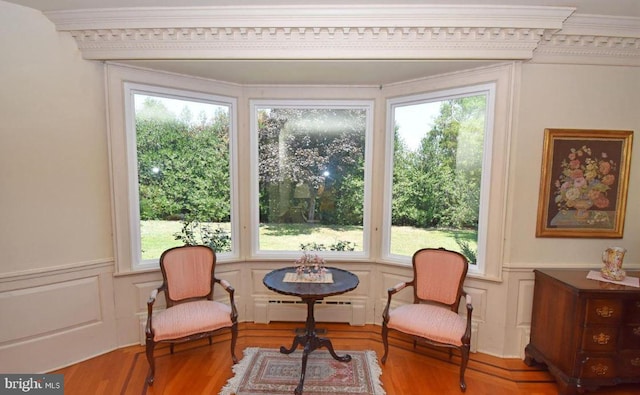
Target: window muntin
{"type": "Point", "coordinates": [179, 141]}
{"type": "Point", "coordinates": [439, 172]}
{"type": "Point", "coordinates": [310, 177]}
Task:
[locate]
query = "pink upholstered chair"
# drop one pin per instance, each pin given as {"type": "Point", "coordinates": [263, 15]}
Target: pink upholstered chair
{"type": "Point", "coordinates": [433, 316]}
{"type": "Point", "coordinates": [191, 313]}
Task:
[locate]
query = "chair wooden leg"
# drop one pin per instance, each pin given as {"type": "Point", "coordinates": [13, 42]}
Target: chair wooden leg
{"type": "Point", "coordinates": [152, 364]}
{"type": "Point", "coordinates": [234, 338]}
{"type": "Point", "coordinates": [385, 341]}
{"type": "Point", "coordinates": [463, 365]}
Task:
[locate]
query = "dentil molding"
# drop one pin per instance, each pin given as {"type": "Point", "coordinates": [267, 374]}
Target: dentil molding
{"type": "Point", "coordinates": [593, 39]}
{"type": "Point", "coordinates": [352, 32]}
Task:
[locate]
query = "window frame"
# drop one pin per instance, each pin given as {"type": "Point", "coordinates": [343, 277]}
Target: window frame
{"type": "Point", "coordinates": [254, 106]}
{"type": "Point", "coordinates": [122, 84]}
{"type": "Point", "coordinates": [486, 89]}
{"type": "Point", "coordinates": [505, 76]}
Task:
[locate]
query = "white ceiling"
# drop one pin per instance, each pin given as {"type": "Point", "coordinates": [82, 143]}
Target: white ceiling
{"type": "Point", "coordinates": [309, 72]}
{"type": "Point", "coordinates": [321, 72]}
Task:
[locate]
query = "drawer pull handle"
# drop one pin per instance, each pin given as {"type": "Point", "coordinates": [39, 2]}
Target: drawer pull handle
{"type": "Point", "coordinates": [601, 338]}
{"type": "Point", "coordinates": [635, 362]}
{"type": "Point", "coordinates": [636, 331]}
{"type": "Point", "coordinates": [604, 311]}
{"type": "Point", "coordinates": [600, 369]}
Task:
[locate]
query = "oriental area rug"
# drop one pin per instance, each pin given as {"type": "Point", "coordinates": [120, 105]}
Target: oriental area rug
{"type": "Point", "coordinates": [267, 371]}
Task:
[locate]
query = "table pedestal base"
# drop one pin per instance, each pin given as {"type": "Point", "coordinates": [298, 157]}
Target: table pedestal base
{"type": "Point", "coordinates": [310, 341]}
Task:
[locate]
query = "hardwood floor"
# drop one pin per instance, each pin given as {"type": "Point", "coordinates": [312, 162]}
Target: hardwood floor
{"type": "Point", "coordinates": [197, 368]}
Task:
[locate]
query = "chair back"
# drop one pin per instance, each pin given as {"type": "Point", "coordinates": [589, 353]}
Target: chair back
{"type": "Point", "coordinates": [188, 273]}
{"type": "Point", "coordinates": [439, 275]}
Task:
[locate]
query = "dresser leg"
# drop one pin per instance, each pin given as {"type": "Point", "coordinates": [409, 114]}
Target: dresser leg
{"type": "Point", "coordinates": [529, 359]}
{"type": "Point", "coordinates": [567, 389]}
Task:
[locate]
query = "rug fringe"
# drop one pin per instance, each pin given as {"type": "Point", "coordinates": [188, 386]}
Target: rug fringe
{"type": "Point", "coordinates": [238, 372]}
{"type": "Point", "coordinates": [376, 372]}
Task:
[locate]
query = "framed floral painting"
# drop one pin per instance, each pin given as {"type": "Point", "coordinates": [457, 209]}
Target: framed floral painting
{"type": "Point", "coordinates": [584, 182]}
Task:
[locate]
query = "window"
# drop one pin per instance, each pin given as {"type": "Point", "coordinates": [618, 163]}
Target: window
{"type": "Point", "coordinates": [180, 186]}
{"type": "Point", "coordinates": [439, 172]}
{"type": "Point", "coordinates": [308, 180]}
{"type": "Point", "coordinates": [310, 167]}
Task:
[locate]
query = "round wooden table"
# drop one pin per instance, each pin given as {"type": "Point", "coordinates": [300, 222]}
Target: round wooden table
{"type": "Point", "coordinates": [310, 292]}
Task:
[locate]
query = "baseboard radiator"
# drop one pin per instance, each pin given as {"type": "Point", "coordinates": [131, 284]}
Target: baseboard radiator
{"type": "Point", "coordinates": [328, 310]}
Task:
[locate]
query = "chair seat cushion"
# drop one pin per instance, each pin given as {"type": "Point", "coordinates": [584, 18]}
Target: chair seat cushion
{"type": "Point", "coordinates": [428, 321]}
{"type": "Point", "coordinates": [190, 318]}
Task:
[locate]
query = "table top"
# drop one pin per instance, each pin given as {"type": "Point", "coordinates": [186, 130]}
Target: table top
{"type": "Point", "coordinates": [343, 281]}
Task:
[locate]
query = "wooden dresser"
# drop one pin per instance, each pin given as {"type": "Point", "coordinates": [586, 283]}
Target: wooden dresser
{"type": "Point", "coordinates": [587, 332]}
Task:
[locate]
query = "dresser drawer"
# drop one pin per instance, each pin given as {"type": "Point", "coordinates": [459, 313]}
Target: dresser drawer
{"type": "Point", "coordinates": [630, 334]}
{"type": "Point", "coordinates": [604, 311]}
{"type": "Point", "coordinates": [598, 367]}
{"type": "Point", "coordinates": [632, 311]}
{"type": "Point", "coordinates": [629, 364]}
{"type": "Point", "coordinates": [600, 338]}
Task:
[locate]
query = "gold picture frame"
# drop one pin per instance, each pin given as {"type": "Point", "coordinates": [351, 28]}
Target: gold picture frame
{"type": "Point", "coordinates": [584, 183]}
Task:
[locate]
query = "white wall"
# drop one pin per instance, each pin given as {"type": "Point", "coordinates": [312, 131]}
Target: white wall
{"type": "Point", "coordinates": [580, 97]}
{"type": "Point", "coordinates": [56, 251]}
{"type": "Point", "coordinates": [561, 96]}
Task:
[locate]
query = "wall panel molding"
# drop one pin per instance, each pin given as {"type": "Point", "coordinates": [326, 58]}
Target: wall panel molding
{"type": "Point", "coordinates": [56, 317]}
{"type": "Point", "coordinates": [6, 279]}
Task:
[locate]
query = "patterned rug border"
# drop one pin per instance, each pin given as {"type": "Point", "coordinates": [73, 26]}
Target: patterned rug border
{"type": "Point", "coordinates": [240, 369]}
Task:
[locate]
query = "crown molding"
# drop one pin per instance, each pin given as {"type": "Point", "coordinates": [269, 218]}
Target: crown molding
{"type": "Point", "coordinates": [309, 43]}
{"type": "Point", "coordinates": [599, 50]}
{"type": "Point", "coordinates": [592, 39]}
{"type": "Point", "coordinates": [310, 16]}
{"type": "Point", "coordinates": [601, 25]}
{"type": "Point", "coordinates": [538, 34]}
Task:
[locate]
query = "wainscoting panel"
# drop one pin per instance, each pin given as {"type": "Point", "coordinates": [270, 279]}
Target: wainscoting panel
{"type": "Point", "coordinates": [479, 302]}
{"type": "Point", "coordinates": [523, 315]}
{"type": "Point", "coordinates": [56, 317]}
{"type": "Point", "coordinates": [143, 292]}
{"type": "Point", "coordinates": [525, 303]}
{"type": "Point", "coordinates": [38, 310]}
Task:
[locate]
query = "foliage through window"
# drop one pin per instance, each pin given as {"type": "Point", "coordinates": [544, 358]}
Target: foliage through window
{"type": "Point", "coordinates": [311, 176]}
{"type": "Point", "coordinates": [438, 148]}
{"type": "Point", "coordinates": [183, 173]}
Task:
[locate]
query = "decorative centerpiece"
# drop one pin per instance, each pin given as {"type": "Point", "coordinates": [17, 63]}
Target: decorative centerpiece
{"type": "Point", "coordinates": [310, 266]}
{"type": "Point", "coordinates": [612, 258]}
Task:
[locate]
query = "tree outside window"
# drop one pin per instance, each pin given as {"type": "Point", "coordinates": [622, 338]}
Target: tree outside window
{"type": "Point", "coordinates": [311, 177]}
{"type": "Point", "coordinates": [437, 173]}
{"type": "Point", "coordinates": [183, 172]}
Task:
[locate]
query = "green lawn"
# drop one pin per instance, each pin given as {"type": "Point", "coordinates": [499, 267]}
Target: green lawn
{"type": "Point", "coordinates": [160, 235]}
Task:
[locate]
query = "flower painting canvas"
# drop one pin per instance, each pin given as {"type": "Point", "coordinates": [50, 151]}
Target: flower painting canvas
{"type": "Point", "coordinates": [584, 183]}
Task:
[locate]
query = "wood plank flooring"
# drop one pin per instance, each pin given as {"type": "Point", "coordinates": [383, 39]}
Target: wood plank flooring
{"type": "Point", "coordinates": [198, 368]}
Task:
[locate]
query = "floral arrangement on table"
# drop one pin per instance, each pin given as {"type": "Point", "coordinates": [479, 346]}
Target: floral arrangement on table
{"type": "Point", "coordinates": [584, 181]}
{"type": "Point", "coordinates": [310, 266]}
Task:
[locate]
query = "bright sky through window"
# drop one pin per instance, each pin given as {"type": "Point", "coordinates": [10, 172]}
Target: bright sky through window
{"type": "Point", "coordinates": [414, 121]}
